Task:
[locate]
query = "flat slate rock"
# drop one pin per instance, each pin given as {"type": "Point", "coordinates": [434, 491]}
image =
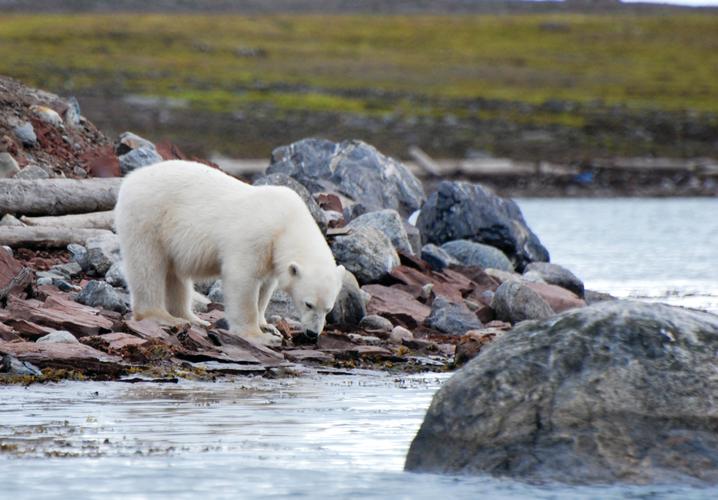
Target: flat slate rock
{"type": "Point", "coordinates": [398, 306]}
{"type": "Point", "coordinates": [13, 276]}
{"type": "Point", "coordinates": [60, 314]}
{"type": "Point", "coordinates": [304, 355]}
{"type": "Point", "coordinates": [67, 356]}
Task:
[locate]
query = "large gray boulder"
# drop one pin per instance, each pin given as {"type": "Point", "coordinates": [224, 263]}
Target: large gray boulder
{"type": "Point", "coordinates": [388, 222]}
{"type": "Point", "coordinates": [556, 275]}
{"type": "Point", "coordinates": [354, 169]}
{"type": "Point", "coordinates": [470, 253]}
{"type": "Point", "coordinates": [465, 211]}
{"type": "Point", "coordinates": [515, 301]}
{"type": "Point", "coordinates": [451, 318]}
{"type": "Point", "coordinates": [285, 180]}
{"type": "Point", "coordinates": [618, 391]}
{"type": "Point", "coordinates": [102, 294]}
{"type": "Point", "coordinates": [350, 306]}
{"type": "Point", "coordinates": [367, 253]}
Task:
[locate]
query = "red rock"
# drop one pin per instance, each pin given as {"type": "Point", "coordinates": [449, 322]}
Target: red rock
{"type": "Point", "coordinates": [328, 201]}
{"type": "Point", "coordinates": [558, 298]}
{"type": "Point", "coordinates": [66, 356]}
{"type": "Point", "coordinates": [264, 354]}
{"type": "Point", "coordinates": [147, 329]}
{"type": "Point", "coordinates": [118, 340]}
{"type": "Point", "coordinates": [60, 313]}
{"type": "Point", "coordinates": [14, 278]}
{"type": "Point", "coordinates": [7, 334]}
{"type": "Point", "coordinates": [29, 330]}
{"type": "Point", "coordinates": [398, 306]}
{"type": "Point", "coordinates": [303, 355]}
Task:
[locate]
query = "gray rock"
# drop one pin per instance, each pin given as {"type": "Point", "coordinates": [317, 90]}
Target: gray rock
{"type": "Point", "coordinates": [387, 222]}
{"type": "Point", "coordinates": [436, 257]}
{"type": "Point", "coordinates": [414, 236]}
{"type": "Point", "coordinates": [102, 253]}
{"type": "Point", "coordinates": [55, 279]}
{"type": "Point", "coordinates": [127, 141]}
{"type": "Point", "coordinates": [469, 253]}
{"type": "Point", "coordinates": [399, 334]}
{"type": "Point", "coordinates": [367, 253]}
{"type": "Point", "coordinates": [352, 168]}
{"type": "Point", "coordinates": [32, 172]}
{"type": "Point", "coordinates": [464, 211]}
{"type": "Point", "coordinates": [557, 275]}
{"type": "Point", "coordinates": [615, 392]}
{"type": "Point", "coordinates": [73, 114]}
{"type": "Point", "coordinates": [138, 158]}
{"type": "Point", "coordinates": [215, 292]}
{"type": "Point", "coordinates": [115, 276]}
{"type": "Point", "coordinates": [79, 255]}
{"type": "Point", "coordinates": [353, 211]}
{"type": "Point", "coordinates": [68, 271]}
{"type": "Point", "coordinates": [280, 179]}
{"type": "Point", "coordinates": [59, 337]}
{"type": "Point", "coordinates": [25, 133]}
{"type": "Point", "coordinates": [349, 308]}
{"type": "Point", "coordinates": [376, 322]}
{"type": "Point", "coordinates": [515, 302]}
{"type": "Point", "coordinates": [8, 165]}
{"type": "Point", "coordinates": [101, 294]}
{"type": "Point", "coordinates": [451, 318]}
{"type": "Point", "coordinates": [10, 365]}
{"type": "Point", "coordinates": [281, 304]}
{"type": "Point", "coordinates": [594, 297]}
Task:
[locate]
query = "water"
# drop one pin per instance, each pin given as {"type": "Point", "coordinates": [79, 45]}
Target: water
{"type": "Point", "coordinates": [333, 436]}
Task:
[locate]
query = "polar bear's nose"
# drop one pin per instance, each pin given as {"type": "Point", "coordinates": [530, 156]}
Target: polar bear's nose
{"type": "Point", "coordinates": [311, 335]}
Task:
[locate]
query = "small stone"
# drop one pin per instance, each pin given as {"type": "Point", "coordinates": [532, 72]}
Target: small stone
{"type": "Point", "coordinates": [514, 302]}
{"type": "Point", "coordinates": [101, 294]}
{"type": "Point", "coordinates": [364, 339]}
{"type": "Point", "coordinates": [8, 250]}
{"type": "Point", "coordinates": [436, 257]}
{"type": "Point", "coordinates": [10, 365]}
{"type": "Point", "coordinates": [399, 334]}
{"type": "Point", "coordinates": [59, 337]}
{"type": "Point", "coordinates": [79, 172]}
{"type": "Point", "coordinates": [67, 271]}
{"type": "Point", "coordinates": [127, 141]}
{"type": "Point", "coordinates": [454, 319]}
{"type": "Point", "coordinates": [8, 165]}
{"type": "Point", "coordinates": [47, 115]}
{"type": "Point", "coordinates": [26, 134]}
{"type": "Point", "coordinates": [138, 158]}
{"type": "Point", "coordinates": [115, 276]}
{"type": "Point", "coordinates": [376, 323]}
{"type": "Point", "coordinates": [32, 172]}
{"type": "Point", "coordinates": [470, 253]}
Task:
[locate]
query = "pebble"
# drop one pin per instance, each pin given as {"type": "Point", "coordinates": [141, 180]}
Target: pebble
{"type": "Point", "coordinates": [376, 322]}
{"type": "Point", "coordinates": [26, 134]}
{"type": "Point", "coordinates": [399, 334]}
{"type": "Point", "coordinates": [59, 337]}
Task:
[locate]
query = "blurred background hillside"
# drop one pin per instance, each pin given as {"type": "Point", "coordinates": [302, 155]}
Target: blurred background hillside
{"type": "Point", "coordinates": [565, 82]}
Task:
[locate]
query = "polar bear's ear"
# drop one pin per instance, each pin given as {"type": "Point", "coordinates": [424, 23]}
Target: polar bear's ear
{"type": "Point", "coordinates": [340, 274]}
{"type": "Point", "coordinates": [294, 270]}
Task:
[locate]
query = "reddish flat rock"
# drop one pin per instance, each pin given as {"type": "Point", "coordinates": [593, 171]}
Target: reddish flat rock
{"type": "Point", "coordinates": [262, 353]}
{"type": "Point", "coordinates": [118, 340]}
{"type": "Point", "coordinates": [302, 355]}
{"type": "Point", "coordinates": [67, 356]}
{"type": "Point", "coordinates": [61, 314]}
{"type": "Point", "coordinates": [29, 330]}
{"type": "Point", "coordinates": [14, 277]}
{"type": "Point", "coordinates": [7, 333]}
{"type": "Point", "coordinates": [147, 329]}
{"type": "Point", "coordinates": [558, 298]}
{"type": "Point", "coordinates": [398, 306]}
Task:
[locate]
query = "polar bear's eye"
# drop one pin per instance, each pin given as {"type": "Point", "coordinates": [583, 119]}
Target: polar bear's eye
{"type": "Point", "coordinates": [309, 306]}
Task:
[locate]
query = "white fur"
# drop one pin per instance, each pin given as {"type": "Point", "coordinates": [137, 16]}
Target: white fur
{"type": "Point", "coordinates": [180, 221]}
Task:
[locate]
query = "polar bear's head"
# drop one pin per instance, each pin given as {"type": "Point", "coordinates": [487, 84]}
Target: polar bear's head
{"type": "Point", "coordinates": [314, 290]}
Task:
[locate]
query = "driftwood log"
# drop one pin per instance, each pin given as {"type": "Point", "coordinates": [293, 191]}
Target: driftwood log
{"type": "Point", "coordinates": [92, 220]}
{"type": "Point", "coordinates": [57, 196]}
{"type": "Point", "coordinates": [46, 237]}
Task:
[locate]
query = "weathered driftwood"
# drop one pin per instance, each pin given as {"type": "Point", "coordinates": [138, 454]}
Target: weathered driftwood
{"type": "Point", "coordinates": [47, 237]}
{"type": "Point", "coordinates": [57, 196]}
{"type": "Point", "coordinates": [92, 220]}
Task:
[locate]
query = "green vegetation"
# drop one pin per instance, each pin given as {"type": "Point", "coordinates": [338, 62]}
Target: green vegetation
{"type": "Point", "coordinates": [311, 62]}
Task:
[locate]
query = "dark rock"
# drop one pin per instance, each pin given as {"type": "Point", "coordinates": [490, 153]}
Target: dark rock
{"type": "Point", "coordinates": [101, 294]}
{"type": "Point", "coordinates": [399, 335]}
{"type": "Point", "coordinates": [451, 318]}
{"type": "Point", "coordinates": [352, 168]}
{"type": "Point", "coordinates": [460, 210]}
{"type": "Point", "coordinates": [68, 271]}
{"type": "Point", "coordinates": [376, 322]}
{"type": "Point", "coordinates": [280, 179]}
{"type": "Point", "coordinates": [10, 365]}
{"type": "Point", "coordinates": [350, 307]}
{"type": "Point", "coordinates": [367, 253]}
{"type": "Point", "coordinates": [557, 275]}
{"type": "Point", "coordinates": [594, 297]}
{"type": "Point", "coordinates": [102, 253]}
{"type": "Point", "coordinates": [618, 391]}
{"type": "Point", "coordinates": [79, 255]}
{"type": "Point", "coordinates": [436, 257]}
{"type": "Point", "coordinates": [138, 158]}
{"type": "Point", "coordinates": [127, 141]}
{"type": "Point", "coordinates": [514, 302]}
{"type": "Point", "coordinates": [470, 253]}
{"type": "Point", "coordinates": [387, 222]}
{"type": "Point", "coordinates": [353, 211]}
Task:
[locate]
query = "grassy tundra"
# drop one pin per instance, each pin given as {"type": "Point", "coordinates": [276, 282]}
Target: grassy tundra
{"type": "Point", "coordinates": [420, 66]}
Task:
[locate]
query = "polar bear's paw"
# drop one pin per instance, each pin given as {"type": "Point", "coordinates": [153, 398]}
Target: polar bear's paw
{"type": "Point", "coordinates": [267, 335]}
{"type": "Point", "coordinates": [199, 321]}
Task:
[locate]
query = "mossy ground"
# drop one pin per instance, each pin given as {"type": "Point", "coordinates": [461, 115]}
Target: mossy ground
{"type": "Point", "coordinates": [327, 63]}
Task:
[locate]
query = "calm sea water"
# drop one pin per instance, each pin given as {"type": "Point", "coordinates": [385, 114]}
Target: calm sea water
{"type": "Point", "coordinates": [332, 436]}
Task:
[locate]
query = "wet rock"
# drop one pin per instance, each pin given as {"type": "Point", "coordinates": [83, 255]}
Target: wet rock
{"type": "Point", "coordinates": [470, 253]}
{"type": "Point", "coordinates": [25, 133]}
{"type": "Point", "coordinates": [8, 165]}
{"type": "Point", "coordinates": [280, 179]}
{"type": "Point", "coordinates": [10, 365]}
{"type": "Point", "coordinates": [59, 336]}
{"type": "Point", "coordinates": [515, 302]}
{"type": "Point", "coordinates": [138, 158]}
{"type": "Point", "coordinates": [7, 333]}
{"type": "Point", "coordinates": [128, 141]}
{"type": "Point", "coordinates": [352, 168]}
{"type": "Point", "coordinates": [460, 210]}
{"type": "Point", "coordinates": [399, 335]}
{"type": "Point", "coordinates": [32, 172]}
{"type": "Point", "coordinates": [101, 294]}
{"type": "Point", "coordinates": [398, 306]}
{"type": "Point", "coordinates": [14, 277]}
{"type": "Point", "coordinates": [367, 253]}
{"type": "Point", "coordinates": [451, 318]}
{"type": "Point", "coordinates": [115, 276]}
{"type": "Point", "coordinates": [615, 392]}
{"type": "Point", "coordinates": [308, 355]}
{"type": "Point", "coordinates": [557, 275]}
{"type": "Point", "coordinates": [376, 323]}
{"type": "Point", "coordinates": [350, 307]}
{"type": "Point", "coordinates": [437, 257]}
{"type": "Point", "coordinates": [387, 222]}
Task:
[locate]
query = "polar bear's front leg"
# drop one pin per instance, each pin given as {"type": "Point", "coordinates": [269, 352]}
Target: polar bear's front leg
{"type": "Point", "coordinates": [241, 300]}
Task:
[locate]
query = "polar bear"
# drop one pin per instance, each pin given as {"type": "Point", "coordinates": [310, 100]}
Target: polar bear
{"type": "Point", "coordinates": [180, 221]}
